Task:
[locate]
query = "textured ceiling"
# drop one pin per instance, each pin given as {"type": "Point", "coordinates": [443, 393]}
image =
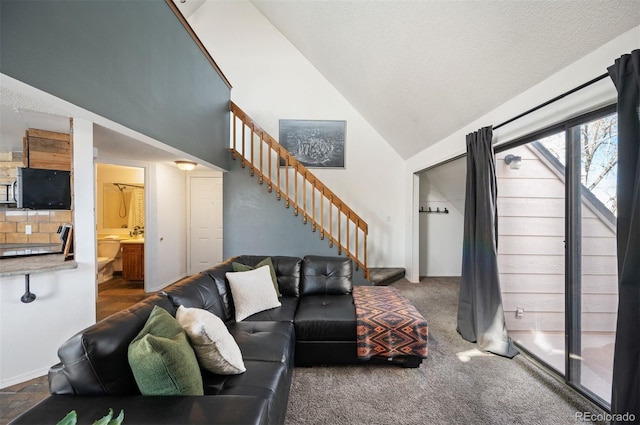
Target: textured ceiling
{"type": "Point", "coordinates": [419, 70]}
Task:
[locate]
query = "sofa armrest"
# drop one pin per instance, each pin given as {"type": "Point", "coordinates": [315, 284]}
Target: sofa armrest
{"type": "Point", "coordinates": [95, 361]}
{"type": "Point", "coordinates": [158, 410]}
{"type": "Point", "coordinates": [59, 382]}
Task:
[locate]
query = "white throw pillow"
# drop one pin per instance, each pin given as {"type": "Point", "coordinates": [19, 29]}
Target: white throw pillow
{"type": "Point", "coordinates": [252, 292]}
{"type": "Point", "coordinates": [215, 348]}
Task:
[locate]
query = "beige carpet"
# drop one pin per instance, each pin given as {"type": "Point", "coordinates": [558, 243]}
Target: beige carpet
{"type": "Point", "coordinates": [455, 385]}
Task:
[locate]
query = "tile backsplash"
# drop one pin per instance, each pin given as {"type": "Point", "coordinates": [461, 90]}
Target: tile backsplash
{"type": "Point", "coordinates": [44, 225]}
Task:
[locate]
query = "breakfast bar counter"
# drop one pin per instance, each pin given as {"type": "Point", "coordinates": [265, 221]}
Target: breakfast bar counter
{"type": "Point", "coordinates": [35, 264]}
{"type": "Point", "coordinates": [29, 264]}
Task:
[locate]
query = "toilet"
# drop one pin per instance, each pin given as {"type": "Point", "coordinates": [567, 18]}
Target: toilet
{"type": "Point", "coordinates": [108, 251]}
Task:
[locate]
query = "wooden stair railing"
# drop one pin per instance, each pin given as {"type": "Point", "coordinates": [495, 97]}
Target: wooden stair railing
{"type": "Point", "coordinates": [299, 188]}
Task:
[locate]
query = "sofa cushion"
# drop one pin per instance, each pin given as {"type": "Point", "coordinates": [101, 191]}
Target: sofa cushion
{"type": "Point", "coordinates": [197, 291]}
{"type": "Point", "coordinates": [239, 267]}
{"type": "Point", "coordinates": [265, 341]}
{"type": "Point", "coordinates": [252, 292]}
{"type": "Point", "coordinates": [162, 360]}
{"type": "Point", "coordinates": [287, 271]}
{"type": "Point", "coordinates": [268, 380]}
{"type": "Point", "coordinates": [326, 318]}
{"type": "Point", "coordinates": [326, 276]}
{"type": "Point", "coordinates": [155, 410]}
{"type": "Point", "coordinates": [285, 313]}
{"type": "Point", "coordinates": [218, 274]}
{"type": "Point", "coordinates": [214, 346]}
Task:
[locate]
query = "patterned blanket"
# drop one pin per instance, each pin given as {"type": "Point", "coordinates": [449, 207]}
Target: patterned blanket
{"type": "Point", "coordinates": [387, 324]}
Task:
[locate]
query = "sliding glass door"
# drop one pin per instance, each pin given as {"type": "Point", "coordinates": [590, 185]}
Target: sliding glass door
{"type": "Point", "coordinates": [556, 248]}
{"type": "Point", "coordinates": [531, 246]}
{"type": "Point", "coordinates": [598, 146]}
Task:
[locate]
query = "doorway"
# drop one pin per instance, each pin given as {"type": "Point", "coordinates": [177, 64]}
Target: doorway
{"type": "Point", "coordinates": [120, 235]}
{"type": "Point", "coordinates": [557, 248]}
{"type": "Point", "coordinates": [440, 218]}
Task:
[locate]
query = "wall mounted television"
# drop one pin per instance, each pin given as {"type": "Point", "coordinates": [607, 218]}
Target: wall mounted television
{"type": "Point", "coordinates": [40, 189]}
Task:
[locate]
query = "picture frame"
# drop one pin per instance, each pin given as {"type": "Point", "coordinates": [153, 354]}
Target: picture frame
{"type": "Point", "coordinates": [315, 143]}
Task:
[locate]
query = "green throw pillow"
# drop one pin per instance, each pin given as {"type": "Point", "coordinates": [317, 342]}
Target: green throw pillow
{"type": "Point", "coordinates": [239, 267]}
{"type": "Point", "coordinates": [162, 360]}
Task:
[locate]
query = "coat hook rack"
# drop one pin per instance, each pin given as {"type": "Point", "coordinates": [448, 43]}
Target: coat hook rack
{"type": "Point", "coordinates": [436, 211]}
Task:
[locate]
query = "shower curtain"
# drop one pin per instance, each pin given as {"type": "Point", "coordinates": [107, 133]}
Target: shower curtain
{"type": "Point", "coordinates": [136, 209]}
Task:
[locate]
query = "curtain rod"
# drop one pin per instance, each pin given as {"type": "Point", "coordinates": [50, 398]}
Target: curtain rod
{"type": "Point", "coordinates": [548, 102]}
{"type": "Point", "coordinates": [127, 184]}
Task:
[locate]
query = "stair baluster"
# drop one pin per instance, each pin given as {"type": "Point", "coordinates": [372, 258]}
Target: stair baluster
{"type": "Point", "coordinates": [355, 229]}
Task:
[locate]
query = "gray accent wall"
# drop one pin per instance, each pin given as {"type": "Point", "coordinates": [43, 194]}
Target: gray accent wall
{"type": "Point", "coordinates": [129, 61]}
{"type": "Point", "coordinates": [256, 223]}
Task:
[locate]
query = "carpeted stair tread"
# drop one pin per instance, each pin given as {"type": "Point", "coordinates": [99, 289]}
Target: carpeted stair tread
{"type": "Point", "coordinates": [385, 276]}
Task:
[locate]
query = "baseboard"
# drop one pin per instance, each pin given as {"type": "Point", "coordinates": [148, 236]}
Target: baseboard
{"type": "Point", "coordinates": [19, 379]}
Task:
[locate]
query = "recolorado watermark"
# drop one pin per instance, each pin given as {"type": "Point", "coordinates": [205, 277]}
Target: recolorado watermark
{"type": "Point", "coordinates": [605, 417]}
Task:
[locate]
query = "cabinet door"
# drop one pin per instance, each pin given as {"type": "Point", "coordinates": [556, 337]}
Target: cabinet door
{"type": "Point", "coordinates": [133, 261]}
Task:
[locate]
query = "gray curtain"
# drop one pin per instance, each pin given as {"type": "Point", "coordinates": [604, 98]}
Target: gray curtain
{"type": "Point", "coordinates": [625, 396]}
{"type": "Point", "coordinates": [480, 313]}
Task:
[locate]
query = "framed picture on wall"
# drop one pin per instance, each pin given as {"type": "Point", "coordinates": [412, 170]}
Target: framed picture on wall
{"type": "Point", "coordinates": [315, 143]}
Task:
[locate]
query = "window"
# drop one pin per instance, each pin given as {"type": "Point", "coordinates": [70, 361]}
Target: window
{"type": "Point", "coordinates": [557, 248]}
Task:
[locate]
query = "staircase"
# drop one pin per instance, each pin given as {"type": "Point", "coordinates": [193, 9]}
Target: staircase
{"type": "Point", "coordinates": [299, 188]}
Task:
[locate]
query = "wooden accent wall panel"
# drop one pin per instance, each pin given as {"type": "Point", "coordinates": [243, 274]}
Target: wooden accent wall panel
{"type": "Point", "coordinates": [47, 149]}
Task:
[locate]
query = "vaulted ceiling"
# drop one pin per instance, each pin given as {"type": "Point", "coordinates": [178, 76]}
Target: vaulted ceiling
{"type": "Point", "coordinates": [420, 70]}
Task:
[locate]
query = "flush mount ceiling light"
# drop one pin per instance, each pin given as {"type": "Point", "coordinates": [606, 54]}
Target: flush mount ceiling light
{"type": "Point", "coordinates": [186, 165]}
{"type": "Point", "coordinates": [513, 161]}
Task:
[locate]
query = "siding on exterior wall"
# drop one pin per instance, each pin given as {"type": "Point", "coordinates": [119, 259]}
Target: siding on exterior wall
{"type": "Point", "coordinates": [531, 233]}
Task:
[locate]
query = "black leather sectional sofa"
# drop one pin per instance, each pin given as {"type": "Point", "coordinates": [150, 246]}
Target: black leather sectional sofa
{"type": "Point", "coordinates": [315, 324]}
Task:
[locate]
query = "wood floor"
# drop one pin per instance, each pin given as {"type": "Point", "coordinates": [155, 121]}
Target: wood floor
{"type": "Point", "coordinates": [116, 295]}
{"type": "Point", "coordinates": [113, 296]}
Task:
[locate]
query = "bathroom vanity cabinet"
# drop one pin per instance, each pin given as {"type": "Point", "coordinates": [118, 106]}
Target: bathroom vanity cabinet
{"type": "Point", "coordinates": [133, 261]}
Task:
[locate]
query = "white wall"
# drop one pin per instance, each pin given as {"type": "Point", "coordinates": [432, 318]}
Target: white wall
{"type": "Point", "coordinates": [440, 234]}
{"type": "Point", "coordinates": [581, 71]}
{"type": "Point", "coordinates": [30, 334]}
{"type": "Point", "coordinates": [272, 80]}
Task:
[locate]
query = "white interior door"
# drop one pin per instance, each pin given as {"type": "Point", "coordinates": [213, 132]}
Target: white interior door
{"type": "Point", "coordinates": [205, 218]}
